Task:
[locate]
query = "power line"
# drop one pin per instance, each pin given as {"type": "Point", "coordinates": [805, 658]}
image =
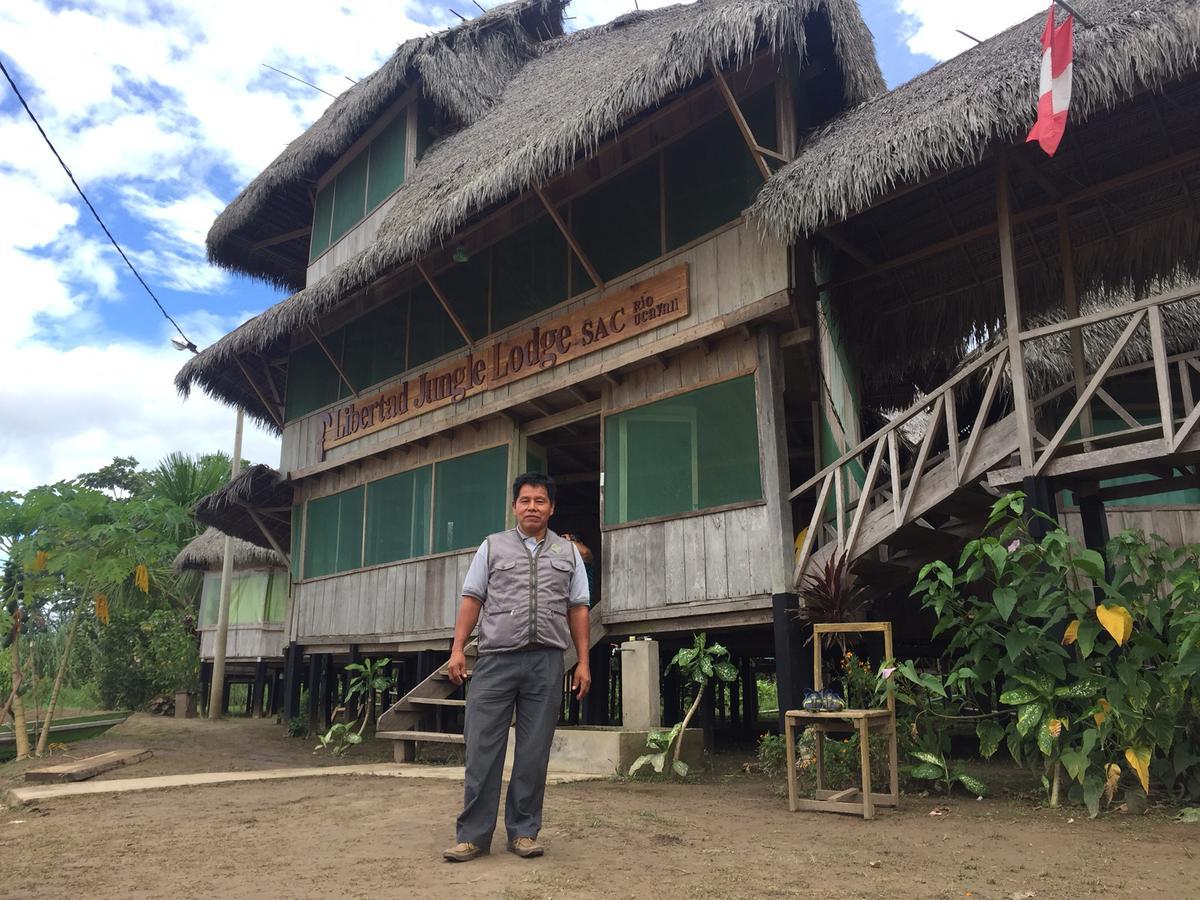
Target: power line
{"type": "Point", "coordinates": [301, 80]}
{"type": "Point", "coordinates": [16, 90]}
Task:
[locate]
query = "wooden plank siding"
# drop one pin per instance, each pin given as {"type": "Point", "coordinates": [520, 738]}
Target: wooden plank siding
{"type": "Point", "coordinates": [1177, 524]}
{"type": "Point", "coordinates": [245, 642]}
{"type": "Point", "coordinates": [729, 272]}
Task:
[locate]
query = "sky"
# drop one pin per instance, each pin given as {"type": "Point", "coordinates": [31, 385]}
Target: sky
{"type": "Point", "coordinates": [163, 110]}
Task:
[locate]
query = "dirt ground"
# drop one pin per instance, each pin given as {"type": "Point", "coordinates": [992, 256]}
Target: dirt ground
{"type": "Point", "coordinates": [729, 836]}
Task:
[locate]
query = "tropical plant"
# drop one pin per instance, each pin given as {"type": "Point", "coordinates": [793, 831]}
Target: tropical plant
{"type": "Point", "coordinates": [1090, 686]}
{"type": "Point", "coordinates": [933, 766]}
{"type": "Point", "coordinates": [370, 679]}
{"type": "Point", "coordinates": [831, 595]}
{"type": "Point", "coordinates": [340, 737]}
{"type": "Point", "coordinates": [697, 665]}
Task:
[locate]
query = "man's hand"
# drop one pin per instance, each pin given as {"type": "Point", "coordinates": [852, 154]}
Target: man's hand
{"type": "Point", "coordinates": [581, 682]}
{"type": "Point", "coordinates": [458, 666]}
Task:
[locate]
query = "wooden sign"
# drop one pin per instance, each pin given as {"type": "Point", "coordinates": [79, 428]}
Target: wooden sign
{"type": "Point", "coordinates": [617, 317]}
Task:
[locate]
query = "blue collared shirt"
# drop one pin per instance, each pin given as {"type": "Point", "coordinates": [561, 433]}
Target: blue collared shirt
{"type": "Point", "coordinates": [475, 584]}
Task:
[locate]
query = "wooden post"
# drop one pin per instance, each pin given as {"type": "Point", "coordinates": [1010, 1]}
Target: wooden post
{"type": "Point", "coordinates": [773, 459]}
{"type": "Point", "coordinates": [314, 691]}
{"type": "Point", "coordinates": [789, 675]}
{"type": "Point", "coordinates": [258, 689]}
{"type": "Point", "coordinates": [293, 659]}
{"type": "Point", "coordinates": [222, 635]}
{"type": "Point", "coordinates": [1071, 305]}
{"type": "Point", "coordinates": [351, 705]}
{"type": "Point", "coordinates": [1012, 312]}
{"type": "Point", "coordinates": [596, 703]}
{"type": "Point", "coordinates": [749, 696]}
{"type": "Point", "coordinates": [670, 692]}
{"type": "Point", "coordinates": [205, 686]}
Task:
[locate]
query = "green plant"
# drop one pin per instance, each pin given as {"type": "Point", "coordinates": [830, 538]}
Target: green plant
{"type": "Point", "coordinates": [697, 665]}
{"type": "Point", "coordinates": [370, 679]}
{"type": "Point", "coordinates": [1088, 687]}
{"type": "Point", "coordinates": [860, 685]}
{"type": "Point", "coordinates": [933, 766]}
{"type": "Point", "coordinates": [772, 755]}
{"type": "Point", "coordinates": [831, 595]}
{"type": "Point", "coordinates": [340, 737]}
{"type": "Point", "coordinates": [297, 727]}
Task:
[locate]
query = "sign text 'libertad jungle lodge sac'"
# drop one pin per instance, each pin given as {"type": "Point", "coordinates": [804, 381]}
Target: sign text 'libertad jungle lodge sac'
{"type": "Point", "coordinates": [624, 314]}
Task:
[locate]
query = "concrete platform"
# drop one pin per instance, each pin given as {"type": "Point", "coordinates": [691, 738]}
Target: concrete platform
{"type": "Point", "coordinates": [605, 750]}
{"type": "Point", "coordinates": [25, 795]}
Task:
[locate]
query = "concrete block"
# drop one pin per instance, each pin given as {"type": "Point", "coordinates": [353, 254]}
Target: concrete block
{"type": "Point", "coordinates": [605, 749]}
{"type": "Point", "coordinates": [641, 700]}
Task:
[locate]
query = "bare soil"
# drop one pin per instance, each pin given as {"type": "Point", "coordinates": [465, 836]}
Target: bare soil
{"type": "Point", "coordinates": [728, 836]}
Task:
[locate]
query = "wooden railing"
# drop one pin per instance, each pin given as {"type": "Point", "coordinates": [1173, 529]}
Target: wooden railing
{"type": "Point", "coordinates": [853, 479]}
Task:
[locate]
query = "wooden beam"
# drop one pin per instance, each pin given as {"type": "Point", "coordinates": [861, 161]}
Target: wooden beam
{"type": "Point", "coordinates": [846, 246]}
{"type": "Point", "coordinates": [864, 497]}
{"type": "Point", "coordinates": [567, 417]}
{"type": "Point", "coordinates": [810, 533]}
{"type": "Point", "coordinates": [336, 365]}
{"type": "Point", "coordinates": [914, 482]}
{"type": "Point", "coordinates": [1071, 305]}
{"type": "Point", "coordinates": [1012, 312]}
{"type": "Point", "coordinates": [566, 233]}
{"type": "Point", "coordinates": [985, 407]}
{"type": "Point", "coordinates": [437, 292]}
{"type": "Point", "coordinates": [1143, 488]}
{"type": "Point", "coordinates": [282, 238]}
{"type": "Point", "coordinates": [1122, 412]}
{"type": "Point", "coordinates": [287, 559]}
{"type": "Point", "coordinates": [276, 415]}
{"type": "Point", "coordinates": [1162, 375]}
{"type": "Point", "coordinates": [796, 337]}
{"type": "Point", "coordinates": [894, 465]}
{"type": "Point", "coordinates": [742, 124]}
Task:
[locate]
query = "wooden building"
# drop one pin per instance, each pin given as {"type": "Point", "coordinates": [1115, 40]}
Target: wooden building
{"type": "Point", "coordinates": [258, 607]}
{"type": "Point", "coordinates": [514, 248]}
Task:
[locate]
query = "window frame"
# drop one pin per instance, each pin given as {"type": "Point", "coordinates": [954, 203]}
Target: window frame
{"type": "Point", "coordinates": [667, 395]}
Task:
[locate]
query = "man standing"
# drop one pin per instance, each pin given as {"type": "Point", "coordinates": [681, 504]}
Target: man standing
{"type": "Point", "coordinates": [530, 586]}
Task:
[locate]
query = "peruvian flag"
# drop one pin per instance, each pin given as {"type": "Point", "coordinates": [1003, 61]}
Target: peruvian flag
{"type": "Point", "coordinates": [1055, 93]}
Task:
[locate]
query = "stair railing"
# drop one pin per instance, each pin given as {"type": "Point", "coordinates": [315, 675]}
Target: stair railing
{"type": "Point", "coordinates": [853, 485]}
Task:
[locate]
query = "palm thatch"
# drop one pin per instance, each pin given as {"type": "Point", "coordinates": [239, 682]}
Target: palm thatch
{"type": "Point", "coordinates": [461, 70]}
{"type": "Point", "coordinates": [206, 553]}
{"type": "Point", "coordinates": [259, 488]}
{"type": "Point", "coordinates": [578, 90]}
{"type": "Point", "coordinates": [947, 117]}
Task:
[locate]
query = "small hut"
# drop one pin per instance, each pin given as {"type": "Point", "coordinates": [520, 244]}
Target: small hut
{"type": "Point", "coordinates": [258, 604]}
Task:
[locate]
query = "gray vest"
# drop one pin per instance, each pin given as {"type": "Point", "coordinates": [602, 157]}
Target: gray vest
{"type": "Point", "coordinates": [526, 594]}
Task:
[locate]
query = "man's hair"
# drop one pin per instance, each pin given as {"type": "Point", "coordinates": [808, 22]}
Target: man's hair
{"type": "Point", "coordinates": [534, 479]}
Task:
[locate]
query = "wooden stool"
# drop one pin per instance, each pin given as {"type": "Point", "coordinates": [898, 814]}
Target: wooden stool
{"type": "Point", "coordinates": [865, 721]}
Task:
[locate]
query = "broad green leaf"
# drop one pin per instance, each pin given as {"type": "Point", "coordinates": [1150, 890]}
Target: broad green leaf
{"type": "Point", "coordinates": [998, 554]}
{"type": "Point", "coordinates": [972, 784]}
{"type": "Point", "coordinates": [927, 757]}
{"type": "Point", "coordinates": [990, 735]}
{"type": "Point", "coordinates": [926, 771]}
{"type": "Point", "coordinates": [1090, 563]}
{"type": "Point", "coordinates": [1029, 717]}
{"type": "Point", "coordinates": [1045, 738]}
{"type": "Point", "coordinates": [1082, 689]}
{"type": "Point", "coordinates": [1093, 789]}
{"type": "Point", "coordinates": [1039, 681]}
{"type": "Point", "coordinates": [647, 759]}
{"type": "Point", "coordinates": [1005, 600]}
{"type": "Point", "coordinates": [1076, 763]}
{"type": "Point", "coordinates": [680, 767]}
{"type": "Point", "coordinates": [1015, 643]}
{"type": "Point", "coordinates": [1019, 696]}
{"type": "Point", "coordinates": [1089, 629]}
{"type": "Point", "coordinates": [684, 657]}
{"type": "Point", "coordinates": [706, 666]}
{"type": "Point", "coordinates": [726, 671]}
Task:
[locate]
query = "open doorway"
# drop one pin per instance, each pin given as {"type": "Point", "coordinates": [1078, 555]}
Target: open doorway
{"type": "Point", "coordinates": [570, 454]}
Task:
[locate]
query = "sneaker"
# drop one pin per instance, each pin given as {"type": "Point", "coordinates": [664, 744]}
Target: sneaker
{"type": "Point", "coordinates": [812, 701]}
{"type": "Point", "coordinates": [526, 847]}
{"type": "Point", "coordinates": [463, 852]}
{"type": "Point", "coordinates": [831, 701]}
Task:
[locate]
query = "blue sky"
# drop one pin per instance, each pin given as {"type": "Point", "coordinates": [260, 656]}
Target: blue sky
{"type": "Point", "coordinates": [163, 111]}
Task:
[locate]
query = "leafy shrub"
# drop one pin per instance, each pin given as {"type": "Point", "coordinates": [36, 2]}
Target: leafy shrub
{"type": "Point", "coordinates": [772, 756]}
{"type": "Point", "coordinates": [297, 727]}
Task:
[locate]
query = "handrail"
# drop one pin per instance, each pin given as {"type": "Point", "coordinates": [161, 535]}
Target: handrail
{"type": "Point", "coordinates": [1191, 292]}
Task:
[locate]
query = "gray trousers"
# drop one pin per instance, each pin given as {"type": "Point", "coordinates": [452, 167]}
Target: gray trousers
{"type": "Point", "coordinates": [530, 681]}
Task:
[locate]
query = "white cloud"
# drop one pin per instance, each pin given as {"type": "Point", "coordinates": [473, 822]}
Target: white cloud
{"type": "Point", "coordinates": [934, 23]}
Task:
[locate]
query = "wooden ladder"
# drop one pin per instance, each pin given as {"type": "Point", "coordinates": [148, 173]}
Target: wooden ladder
{"type": "Point", "coordinates": [402, 720]}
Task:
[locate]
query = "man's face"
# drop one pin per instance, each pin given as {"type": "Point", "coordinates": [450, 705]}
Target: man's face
{"type": "Point", "coordinates": [533, 508]}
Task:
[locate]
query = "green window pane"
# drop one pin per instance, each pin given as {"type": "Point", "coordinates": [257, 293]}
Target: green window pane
{"type": "Point", "coordinates": [470, 499]}
{"type": "Point", "coordinates": [248, 598]}
{"type": "Point", "coordinates": [431, 333]}
{"type": "Point", "coordinates": [350, 529]}
{"type": "Point", "coordinates": [297, 536]}
{"type": "Point", "coordinates": [322, 215]}
{"type": "Point", "coordinates": [691, 452]}
{"type": "Point", "coordinates": [529, 273]}
{"type": "Point", "coordinates": [618, 224]}
{"type": "Point", "coordinates": [398, 516]}
{"type": "Point", "coordinates": [387, 161]}
{"type": "Point", "coordinates": [320, 544]}
{"type": "Point", "coordinates": [465, 285]}
{"type": "Point", "coordinates": [376, 345]}
{"type": "Point", "coordinates": [312, 381]}
{"type": "Point", "coordinates": [349, 197]}
{"type": "Point", "coordinates": [277, 595]}
{"type": "Point", "coordinates": [711, 176]}
{"type": "Point", "coordinates": [426, 121]}
{"type": "Point", "coordinates": [210, 597]}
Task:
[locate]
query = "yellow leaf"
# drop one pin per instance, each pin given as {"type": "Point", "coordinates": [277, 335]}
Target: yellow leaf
{"type": "Point", "coordinates": [1116, 621]}
{"type": "Point", "coordinates": [1139, 760]}
{"type": "Point", "coordinates": [1055, 727]}
{"type": "Point", "coordinates": [102, 608]}
{"type": "Point", "coordinates": [1105, 706]}
{"type": "Point", "coordinates": [39, 561]}
{"type": "Point", "coordinates": [141, 577]}
{"type": "Point", "coordinates": [1071, 633]}
{"type": "Point", "coordinates": [1112, 775]}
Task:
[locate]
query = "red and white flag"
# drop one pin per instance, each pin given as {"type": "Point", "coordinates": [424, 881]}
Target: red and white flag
{"type": "Point", "coordinates": [1055, 94]}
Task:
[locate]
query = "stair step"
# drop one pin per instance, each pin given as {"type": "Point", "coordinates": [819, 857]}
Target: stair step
{"type": "Point", "coordinates": [443, 676]}
{"type": "Point", "coordinates": [436, 701]}
{"type": "Point", "coordinates": [438, 737]}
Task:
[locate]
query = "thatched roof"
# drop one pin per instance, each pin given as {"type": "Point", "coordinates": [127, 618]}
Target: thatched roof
{"type": "Point", "coordinates": [259, 488]}
{"type": "Point", "coordinates": [461, 70]}
{"type": "Point", "coordinates": [578, 90]}
{"type": "Point", "coordinates": [947, 117]}
{"type": "Point", "coordinates": [899, 195]}
{"type": "Point", "coordinates": [206, 552]}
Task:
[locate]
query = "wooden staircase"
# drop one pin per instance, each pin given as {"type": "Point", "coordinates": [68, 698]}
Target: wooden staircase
{"type": "Point", "coordinates": [888, 508]}
{"type": "Point", "coordinates": [402, 722]}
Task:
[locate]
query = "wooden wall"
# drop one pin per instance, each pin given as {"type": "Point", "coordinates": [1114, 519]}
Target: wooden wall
{"type": "Point", "coordinates": [1178, 524]}
{"type": "Point", "coordinates": [728, 272]}
{"type": "Point", "coordinates": [245, 642]}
